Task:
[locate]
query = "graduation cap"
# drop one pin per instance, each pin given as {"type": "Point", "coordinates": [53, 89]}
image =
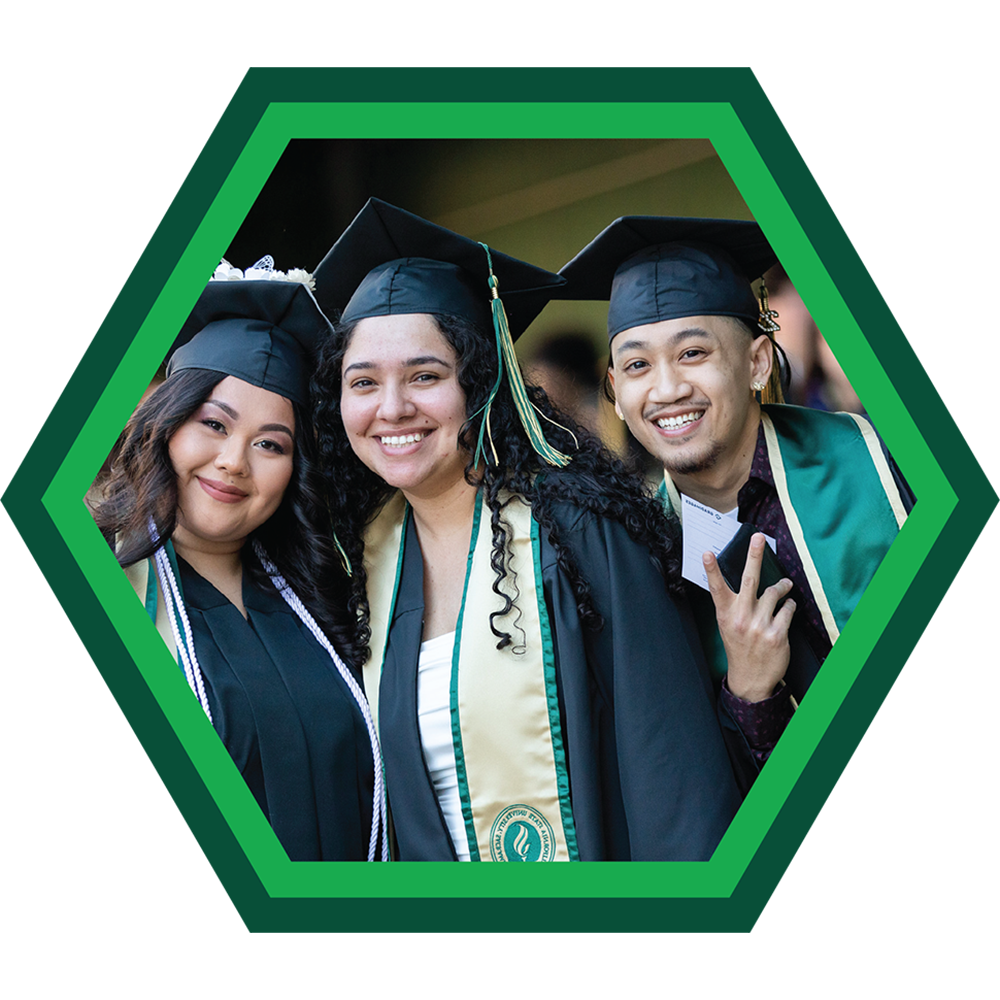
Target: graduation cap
{"type": "Point", "coordinates": [264, 328]}
{"type": "Point", "coordinates": [654, 268]}
{"type": "Point", "coordinates": [391, 262]}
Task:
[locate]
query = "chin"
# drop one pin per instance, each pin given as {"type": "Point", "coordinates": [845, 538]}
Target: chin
{"type": "Point", "coordinates": [692, 464]}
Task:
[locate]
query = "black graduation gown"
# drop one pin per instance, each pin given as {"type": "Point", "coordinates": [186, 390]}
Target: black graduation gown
{"type": "Point", "coordinates": [649, 776]}
{"type": "Point", "coordinates": [287, 719]}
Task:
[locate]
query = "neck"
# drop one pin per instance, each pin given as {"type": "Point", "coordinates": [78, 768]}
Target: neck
{"type": "Point", "coordinates": [719, 486]}
{"type": "Point", "coordinates": [212, 561]}
{"type": "Point", "coordinates": [445, 514]}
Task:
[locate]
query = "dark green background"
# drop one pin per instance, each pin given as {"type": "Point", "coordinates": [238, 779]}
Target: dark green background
{"type": "Point", "coordinates": [105, 176]}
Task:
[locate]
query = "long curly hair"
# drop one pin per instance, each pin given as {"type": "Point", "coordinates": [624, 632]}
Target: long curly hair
{"type": "Point", "coordinates": [142, 485]}
{"type": "Point", "coordinates": [594, 481]}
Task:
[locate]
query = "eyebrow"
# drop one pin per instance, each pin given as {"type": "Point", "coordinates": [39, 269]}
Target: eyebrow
{"type": "Point", "coordinates": [688, 333]}
{"type": "Point", "coordinates": [226, 408]}
{"type": "Point", "coordinates": [277, 427]}
{"type": "Point", "coordinates": [423, 359]}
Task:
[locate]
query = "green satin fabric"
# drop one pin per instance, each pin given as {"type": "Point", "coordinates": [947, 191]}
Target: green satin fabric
{"type": "Point", "coordinates": [837, 485]}
{"type": "Point", "coordinates": [838, 490]}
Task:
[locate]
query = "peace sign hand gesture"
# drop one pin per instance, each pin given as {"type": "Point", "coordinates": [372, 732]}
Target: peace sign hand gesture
{"type": "Point", "coordinates": [755, 637]}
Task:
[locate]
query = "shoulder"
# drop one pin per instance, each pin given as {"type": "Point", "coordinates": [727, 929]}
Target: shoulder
{"type": "Point", "coordinates": [595, 542]}
{"type": "Point", "coordinates": [800, 424]}
{"type": "Point", "coordinates": [785, 416]}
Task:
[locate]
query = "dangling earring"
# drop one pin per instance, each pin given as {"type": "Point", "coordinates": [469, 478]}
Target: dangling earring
{"type": "Point", "coordinates": [766, 321]}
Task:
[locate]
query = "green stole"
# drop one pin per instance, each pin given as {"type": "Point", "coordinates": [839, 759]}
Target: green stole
{"type": "Point", "coordinates": [146, 584]}
{"type": "Point", "coordinates": [509, 752]}
{"type": "Point", "coordinates": [839, 498]}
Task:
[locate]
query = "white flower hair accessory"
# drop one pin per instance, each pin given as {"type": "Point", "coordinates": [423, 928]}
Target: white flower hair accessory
{"type": "Point", "coordinates": [263, 270]}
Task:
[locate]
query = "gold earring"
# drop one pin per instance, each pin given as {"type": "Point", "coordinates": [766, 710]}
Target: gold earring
{"type": "Point", "coordinates": [766, 322]}
{"type": "Point", "coordinates": [758, 386]}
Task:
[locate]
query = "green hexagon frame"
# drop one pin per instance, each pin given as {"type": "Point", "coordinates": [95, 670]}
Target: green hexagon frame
{"type": "Point", "coordinates": [273, 106]}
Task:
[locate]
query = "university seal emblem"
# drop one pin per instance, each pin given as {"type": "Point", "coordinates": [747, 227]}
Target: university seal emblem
{"type": "Point", "coordinates": [520, 833]}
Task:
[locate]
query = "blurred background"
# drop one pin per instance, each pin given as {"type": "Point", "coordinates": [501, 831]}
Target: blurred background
{"type": "Point", "coordinates": [541, 200]}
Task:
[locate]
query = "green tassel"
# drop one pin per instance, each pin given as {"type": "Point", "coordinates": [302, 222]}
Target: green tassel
{"type": "Point", "coordinates": [344, 560]}
{"type": "Point", "coordinates": [526, 410]}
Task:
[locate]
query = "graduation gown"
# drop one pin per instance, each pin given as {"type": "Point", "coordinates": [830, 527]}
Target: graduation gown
{"type": "Point", "coordinates": [287, 719]}
{"type": "Point", "coordinates": [649, 777]}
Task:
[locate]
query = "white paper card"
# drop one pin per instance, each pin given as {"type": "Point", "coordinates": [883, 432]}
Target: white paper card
{"type": "Point", "coordinates": [706, 530]}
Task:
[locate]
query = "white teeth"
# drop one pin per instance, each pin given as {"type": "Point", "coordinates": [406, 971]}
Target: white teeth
{"type": "Point", "coordinates": [672, 423]}
{"type": "Point", "coordinates": [401, 440]}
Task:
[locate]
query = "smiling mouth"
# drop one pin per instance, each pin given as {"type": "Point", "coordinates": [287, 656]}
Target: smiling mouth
{"type": "Point", "coordinates": [221, 492]}
{"type": "Point", "coordinates": [676, 423]}
{"type": "Point", "coordinates": [401, 440]}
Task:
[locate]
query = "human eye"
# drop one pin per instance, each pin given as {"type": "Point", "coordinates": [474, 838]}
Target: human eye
{"type": "Point", "coordinates": [213, 424]}
{"type": "Point", "coordinates": [269, 444]}
{"type": "Point", "coordinates": [635, 366]}
{"type": "Point", "coordinates": [426, 378]}
{"type": "Point", "coordinates": [362, 383]}
{"type": "Point", "coordinates": [693, 354]}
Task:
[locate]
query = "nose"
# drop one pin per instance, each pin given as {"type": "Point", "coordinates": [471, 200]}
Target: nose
{"type": "Point", "coordinates": [232, 456]}
{"type": "Point", "coordinates": [395, 404]}
{"type": "Point", "coordinates": [670, 385]}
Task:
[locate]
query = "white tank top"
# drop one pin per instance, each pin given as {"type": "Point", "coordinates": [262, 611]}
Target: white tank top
{"type": "Point", "coordinates": [434, 718]}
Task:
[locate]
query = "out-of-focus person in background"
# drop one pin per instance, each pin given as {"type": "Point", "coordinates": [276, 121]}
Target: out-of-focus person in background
{"type": "Point", "coordinates": [571, 370]}
{"type": "Point", "coordinates": [816, 378]}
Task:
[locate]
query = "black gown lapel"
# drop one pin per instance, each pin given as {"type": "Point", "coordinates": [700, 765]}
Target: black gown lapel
{"type": "Point", "coordinates": [421, 831]}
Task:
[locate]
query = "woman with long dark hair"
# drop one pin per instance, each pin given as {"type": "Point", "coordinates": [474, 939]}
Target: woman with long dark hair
{"type": "Point", "coordinates": [537, 694]}
{"type": "Point", "coordinates": [212, 508]}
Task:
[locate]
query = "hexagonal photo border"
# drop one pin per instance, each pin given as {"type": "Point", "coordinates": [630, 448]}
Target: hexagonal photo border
{"type": "Point", "coordinates": [270, 108]}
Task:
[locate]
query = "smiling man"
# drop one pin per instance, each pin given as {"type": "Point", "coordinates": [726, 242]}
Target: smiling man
{"type": "Point", "coordinates": [691, 358]}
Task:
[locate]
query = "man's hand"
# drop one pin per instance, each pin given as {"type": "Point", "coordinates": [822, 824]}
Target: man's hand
{"type": "Point", "coordinates": [756, 639]}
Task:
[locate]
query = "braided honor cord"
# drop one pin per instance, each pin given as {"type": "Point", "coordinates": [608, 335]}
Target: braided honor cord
{"type": "Point", "coordinates": [185, 643]}
{"type": "Point", "coordinates": [379, 817]}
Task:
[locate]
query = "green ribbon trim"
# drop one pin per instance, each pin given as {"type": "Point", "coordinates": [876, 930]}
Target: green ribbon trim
{"type": "Point", "coordinates": [456, 723]}
{"type": "Point", "coordinates": [153, 594]}
{"type": "Point", "coordinates": [552, 695]}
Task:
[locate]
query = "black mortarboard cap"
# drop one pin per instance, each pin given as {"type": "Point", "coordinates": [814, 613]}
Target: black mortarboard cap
{"type": "Point", "coordinates": [654, 268]}
{"type": "Point", "coordinates": [264, 332]}
{"type": "Point", "coordinates": [391, 262]}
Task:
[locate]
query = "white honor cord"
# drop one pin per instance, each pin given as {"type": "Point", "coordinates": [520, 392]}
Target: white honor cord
{"type": "Point", "coordinates": [379, 812]}
{"type": "Point", "coordinates": [185, 644]}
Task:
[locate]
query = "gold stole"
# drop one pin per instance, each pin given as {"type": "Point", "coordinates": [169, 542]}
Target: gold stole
{"type": "Point", "coordinates": [509, 751]}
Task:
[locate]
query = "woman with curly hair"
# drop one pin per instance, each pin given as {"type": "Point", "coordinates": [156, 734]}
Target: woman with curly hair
{"type": "Point", "coordinates": [537, 694]}
{"type": "Point", "coordinates": [212, 508]}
